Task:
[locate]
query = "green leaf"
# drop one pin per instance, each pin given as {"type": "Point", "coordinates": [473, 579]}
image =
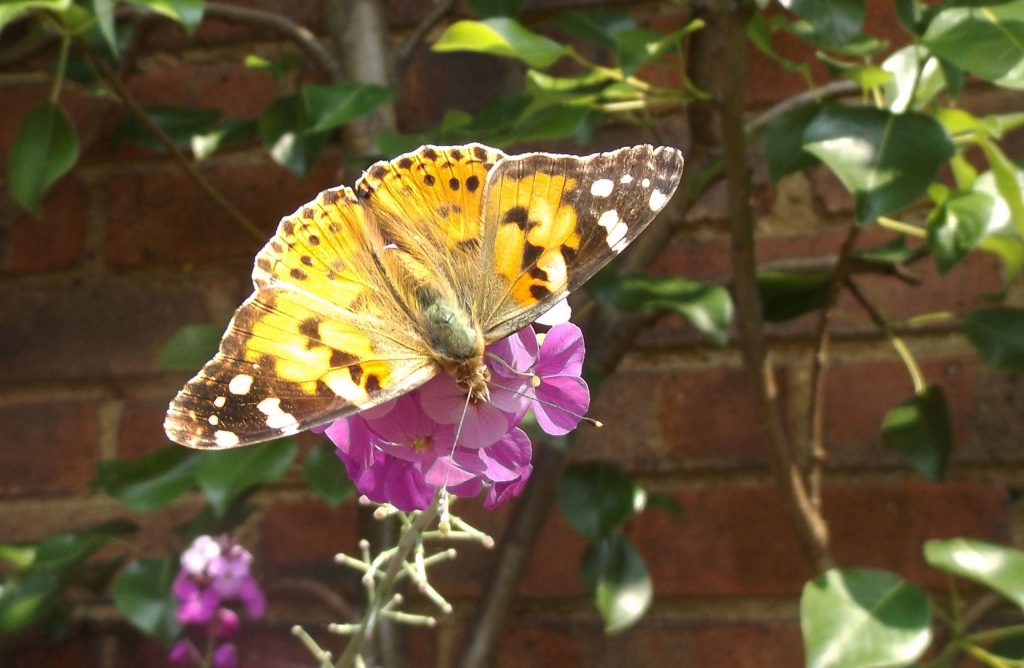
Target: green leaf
{"type": "Point", "coordinates": [486, 9]}
{"type": "Point", "coordinates": [997, 567]}
{"type": "Point", "coordinates": [956, 226]}
{"type": "Point", "coordinates": [29, 600]}
{"type": "Point", "coordinates": [104, 11]}
{"type": "Point", "coordinates": [998, 336]}
{"type": "Point", "coordinates": [18, 556]}
{"type": "Point", "coordinates": [191, 347]}
{"type": "Point", "coordinates": [786, 295]}
{"type": "Point", "coordinates": [142, 593]}
{"type": "Point", "coordinates": [985, 39]}
{"type": "Point", "coordinates": [707, 307]}
{"type": "Point", "coordinates": [596, 498]}
{"type": "Point", "coordinates": [863, 617]}
{"type": "Point", "coordinates": [1003, 236]}
{"type": "Point", "coordinates": [231, 131]}
{"type": "Point", "coordinates": [12, 9]}
{"type": "Point", "coordinates": [916, 79]}
{"type": "Point", "coordinates": [835, 22]}
{"type": "Point", "coordinates": [665, 501]}
{"type": "Point", "coordinates": [596, 26]}
{"type": "Point", "coordinates": [640, 46]}
{"type": "Point", "coordinates": [501, 37]}
{"type": "Point", "coordinates": [180, 123]}
{"type": "Point", "coordinates": [189, 13]}
{"type": "Point", "coordinates": [886, 160]}
{"type": "Point", "coordinates": [617, 578]}
{"type": "Point", "coordinates": [44, 149]}
{"type": "Point", "coordinates": [285, 132]}
{"type": "Point", "coordinates": [784, 141]}
{"type": "Point", "coordinates": [919, 430]}
{"type": "Point", "coordinates": [277, 67]}
{"type": "Point", "coordinates": [151, 482]}
{"type": "Point", "coordinates": [325, 474]}
{"type": "Point", "coordinates": [328, 107]}
{"type": "Point", "coordinates": [225, 475]}
{"type": "Point", "coordinates": [68, 549]}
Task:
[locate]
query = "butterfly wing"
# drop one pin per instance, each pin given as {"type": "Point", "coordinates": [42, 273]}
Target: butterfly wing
{"type": "Point", "coordinates": [322, 336]}
{"type": "Point", "coordinates": [552, 221]}
{"type": "Point", "coordinates": [428, 203]}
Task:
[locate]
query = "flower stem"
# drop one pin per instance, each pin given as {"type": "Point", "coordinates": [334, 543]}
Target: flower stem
{"type": "Point", "coordinates": [383, 591]}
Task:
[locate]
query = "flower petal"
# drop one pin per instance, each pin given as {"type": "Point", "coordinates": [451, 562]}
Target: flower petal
{"type": "Point", "coordinates": [562, 352]}
{"type": "Point", "coordinates": [564, 397]}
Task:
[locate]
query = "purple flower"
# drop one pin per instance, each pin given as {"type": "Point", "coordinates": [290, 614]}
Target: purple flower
{"type": "Point", "coordinates": [405, 450]}
{"type": "Point", "coordinates": [214, 574]}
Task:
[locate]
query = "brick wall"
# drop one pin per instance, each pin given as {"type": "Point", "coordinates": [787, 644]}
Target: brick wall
{"type": "Point", "coordinates": [126, 251]}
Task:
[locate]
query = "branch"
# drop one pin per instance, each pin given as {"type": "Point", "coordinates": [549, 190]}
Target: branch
{"type": "Point", "coordinates": [814, 454]}
{"type": "Point", "coordinates": [187, 165]}
{"type": "Point", "coordinates": [829, 90]}
{"type": "Point", "coordinates": [284, 25]}
{"type": "Point", "coordinates": [419, 32]}
{"type": "Point", "coordinates": [726, 30]}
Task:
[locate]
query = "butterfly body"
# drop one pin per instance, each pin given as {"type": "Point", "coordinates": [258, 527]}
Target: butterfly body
{"type": "Point", "coordinates": [364, 294]}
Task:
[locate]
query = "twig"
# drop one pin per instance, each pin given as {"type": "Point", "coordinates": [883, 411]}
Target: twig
{"type": "Point", "coordinates": [829, 90]}
{"type": "Point", "coordinates": [384, 588]}
{"type": "Point", "coordinates": [813, 455]}
{"type": "Point", "coordinates": [916, 377]}
{"type": "Point", "coordinates": [133, 105]}
{"type": "Point", "coordinates": [419, 32]}
{"type": "Point", "coordinates": [727, 28]}
{"type": "Point", "coordinates": [284, 25]}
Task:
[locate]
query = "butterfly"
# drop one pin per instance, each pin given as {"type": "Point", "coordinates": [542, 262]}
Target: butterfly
{"type": "Point", "coordinates": [366, 293]}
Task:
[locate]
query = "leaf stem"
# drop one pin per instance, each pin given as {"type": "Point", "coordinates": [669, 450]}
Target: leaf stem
{"type": "Point", "coordinates": [916, 377]}
{"type": "Point", "coordinates": [901, 227]}
{"type": "Point", "coordinates": [62, 65]}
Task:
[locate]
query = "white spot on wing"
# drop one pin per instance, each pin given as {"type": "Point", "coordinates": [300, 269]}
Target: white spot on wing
{"type": "Point", "coordinates": [617, 230]}
{"type": "Point", "coordinates": [626, 178]}
{"type": "Point", "coordinates": [240, 384]}
{"type": "Point", "coordinates": [608, 219]}
{"type": "Point", "coordinates": [269, 406]}
{"type": "Point", "coordinates": [646, 183]}
{"type": "Point", "coordinates": [658, 200]}
{"type": "Point", "coordinates": [281, 420]}
{"type": "Point", "coordinates": [220, 401]}
{"type": "Point", "coordinates": [214, 420]}
{"type": "Point", "coordinates": [226, 439]}
{"type": "Point", "coordinates": [602, 188]}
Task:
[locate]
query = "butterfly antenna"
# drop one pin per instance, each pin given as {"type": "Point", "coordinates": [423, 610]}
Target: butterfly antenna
{"type": "Point", "coordinates": [444, 524]}
{"type": "Point", "coordinates": [508, 366]}
{"type": "Point", "coordinates": [582, 418]}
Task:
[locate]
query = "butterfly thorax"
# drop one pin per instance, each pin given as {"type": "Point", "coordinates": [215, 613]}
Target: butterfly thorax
{"type": "Point", "coordinates": [457, 345]}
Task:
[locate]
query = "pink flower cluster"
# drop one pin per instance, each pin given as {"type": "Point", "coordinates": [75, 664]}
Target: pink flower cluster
{"type": "Point", "coordinates": [402, 452]}
{"type": "Point", "coordinates": [214, 574]}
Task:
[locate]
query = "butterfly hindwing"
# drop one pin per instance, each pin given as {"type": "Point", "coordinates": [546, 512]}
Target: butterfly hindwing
{"type": "Point", "coordinates": [321, 337]}
{"type": "Point", "coordinates": [552, 221]}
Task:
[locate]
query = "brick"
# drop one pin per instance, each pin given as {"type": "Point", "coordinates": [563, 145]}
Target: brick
{"type": "Point", "coordinates": [307, 530]}
{"type": "Point", "coordinates": [91, 330]}
{"type": "Point", "coordinates": [161, 217]}
{"type": "Point", "coordinates": [740, 540]}
{"type": "Point", "coordinates": [666, 420]}
{"type": "Point", "coordinates": [54, 240]}
{"type": "Point", "coordinates": [141, 430]}
{"type": "Point", "coordinates": [652, 643]}
{"type": "Point", "coordinates": [53, 447]}
{"type": "Point", "coordinates": [81, 649]}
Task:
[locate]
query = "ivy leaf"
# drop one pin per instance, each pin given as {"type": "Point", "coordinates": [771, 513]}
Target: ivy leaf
{"type": "Point", "coordinates": [998, 336]}
{"type": "Point", "coordinates": [191, 347]}
{"type": "Point", "coordinates": [328, 107]}
{"type": "Point", "coordinates": [189, 13]}
{"type": "Point", "coordinates": [835, 22]}
{"type": "Point", "coordinates": [28, 600]}
{"type": "Point", "coordinates": [231, 131]}
{"type": "Point", "coordinates": [151, 482]}
{"type": "Point", "coordinates": [919, 429]}
{"type": "Point", "coordinates": [325, 473]}
{"type": "Point", "coordinates": [997, 567]}
{"type": "Point", "coordinates": [707, 307]}
{"type": "Point", "coordinates": [104, 11]}
{"type": "Point", "coordinates": [503, 37]}
{"type": "Point", "coordinates": [786, 295]}
{"type": "Point", "coordinates": [784, 141]}
{"type": "Point", "coordinates": [640, 46]}
{"type": "Point", "coordinates": [956, 226]}
{"type": "Point", "coordinates": [12, 9]}
{"type": "Point", "coordinates": [284, 129]}
{"type": "Point", "coordinates": [180, 123]}
{"type": "Point", "coordinates": [142, 593]}
{"type": "Point", "coordinates": [596, 498]}
{"type": "Point", "coordinates": [223, 476]}
{"type": "Point", "coordinates": [44, 149]}
{"type": "Point", "coordinates": [886, 160]}
{"type": "Point", "coordinates": [984, 39]}
{"type": "Point", "coordinates": [617, 578]}
{"type": "Point", "coordinates": [863, 617]}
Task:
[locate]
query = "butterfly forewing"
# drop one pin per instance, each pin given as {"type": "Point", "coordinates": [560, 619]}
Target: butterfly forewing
{"type": "Point", "coordinates": [552, 221]}
{"type": "Point", "coordinates": [321, 337]}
